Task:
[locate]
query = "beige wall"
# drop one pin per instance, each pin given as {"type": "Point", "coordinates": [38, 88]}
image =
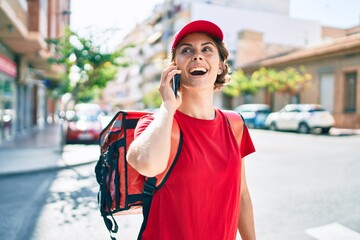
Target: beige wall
{"type": "Point", "coordinates": [338, 66]}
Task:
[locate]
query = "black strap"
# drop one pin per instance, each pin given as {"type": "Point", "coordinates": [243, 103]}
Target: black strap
{"type": "Point", "coordinates": [130, 123]}
{"type": "Point", "coordinates": [104, 197]}
{"type": "Point", "coordinates": [111, 225]}
{"type": "Point", "coordinates": [148, 192]}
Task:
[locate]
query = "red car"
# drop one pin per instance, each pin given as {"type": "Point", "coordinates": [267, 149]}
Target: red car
{"type": "Point", "coordinates": [83, 129]}
{"type": "Point", "coordinates": [83, 125]}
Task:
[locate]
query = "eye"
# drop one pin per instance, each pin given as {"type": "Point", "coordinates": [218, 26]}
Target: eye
{"type": "Point", "coordinates": [207, 49]}
{"type": "Point", "coordinates": [186, 50]}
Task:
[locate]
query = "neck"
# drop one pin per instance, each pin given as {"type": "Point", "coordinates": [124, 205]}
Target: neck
{"type": "Point", "coordinates": [198, 104]}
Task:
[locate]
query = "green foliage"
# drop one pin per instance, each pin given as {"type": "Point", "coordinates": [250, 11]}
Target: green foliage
{"type": "Point", "coordinates": [289, 80]}
{"type": "Point", "coordinates": [88, 70]}
{"type": "Point", "coordinates": [241, 84]}
{"type": "Point", "coordinates": [152, 99]}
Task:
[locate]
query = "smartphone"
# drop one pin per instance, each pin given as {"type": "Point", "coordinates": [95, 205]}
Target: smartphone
{"type": "Point", "coordinates": [176, 83]}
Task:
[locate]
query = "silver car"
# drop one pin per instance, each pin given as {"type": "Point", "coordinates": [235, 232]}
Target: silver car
{"type": "Point", "coordinates": [302, 118]}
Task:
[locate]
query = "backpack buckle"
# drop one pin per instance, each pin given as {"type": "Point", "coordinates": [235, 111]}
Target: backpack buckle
{"type": "Point", "coordinates": [149, 187]}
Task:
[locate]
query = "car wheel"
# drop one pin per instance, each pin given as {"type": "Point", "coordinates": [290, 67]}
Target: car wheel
{"type": "Point", "coordinates": [303, 128]}
{"type": "Point", "coordinates": [273, 126]}
{"type": "Point", "coordinates": [325, 130]}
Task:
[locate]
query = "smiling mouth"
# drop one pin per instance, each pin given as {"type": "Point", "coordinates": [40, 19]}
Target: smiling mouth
{"type": "Point", "coordinates": [198, 71]}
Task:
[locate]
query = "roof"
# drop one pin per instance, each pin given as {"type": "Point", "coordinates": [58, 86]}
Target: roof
{"type": "Point", "coordinates": [338, 46]}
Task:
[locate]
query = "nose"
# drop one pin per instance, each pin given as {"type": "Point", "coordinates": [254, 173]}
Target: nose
{"type": "Point", "coordinates": [197, 57]}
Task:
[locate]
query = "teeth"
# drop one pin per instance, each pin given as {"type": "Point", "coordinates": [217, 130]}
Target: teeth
{"type": "Point", "coordinates": [198, 69]}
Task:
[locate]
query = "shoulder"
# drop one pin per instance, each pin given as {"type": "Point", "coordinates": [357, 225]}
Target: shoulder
{"type": "Point", "coordinates": [240, 131]}
{"type": "Point", "coordinates": [143, 123]}
{"type": "Point", "coordinates": [234, 119]}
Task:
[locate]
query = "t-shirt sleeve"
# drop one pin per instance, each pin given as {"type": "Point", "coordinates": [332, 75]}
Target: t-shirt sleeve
{"type": "Point", "coordinates": [142, 124]}
{"type": "Point", "coordinates": [246, 147]}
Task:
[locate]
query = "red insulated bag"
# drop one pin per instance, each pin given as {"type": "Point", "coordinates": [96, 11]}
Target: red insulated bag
{"type": "Point", "coordinates": [122, 189]}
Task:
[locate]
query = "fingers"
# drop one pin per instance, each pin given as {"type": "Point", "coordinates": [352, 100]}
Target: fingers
{"type": "Point", "coordinates": [169, 73]}
{"type": "Point", "coordinates": [165, 87]}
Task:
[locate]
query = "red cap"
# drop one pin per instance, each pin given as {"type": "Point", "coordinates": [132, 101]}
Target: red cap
{"type": "Point", "coordinates": [202, 26]}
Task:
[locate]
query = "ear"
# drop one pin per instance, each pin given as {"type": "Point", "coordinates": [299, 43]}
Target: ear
{"type": "Point", "coordinates": [221, 68]}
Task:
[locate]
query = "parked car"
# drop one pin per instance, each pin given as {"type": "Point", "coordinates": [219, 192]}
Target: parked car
{"type": "Point", "coordinates": [83, 124]}
{"type": "Point", "coordinates": [254, 114]}
{"type": "Point", "coordinates": [302, 118]}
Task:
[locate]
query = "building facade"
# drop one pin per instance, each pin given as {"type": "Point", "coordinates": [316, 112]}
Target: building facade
{"type": "Point", "coordinates": [258, 34]}
{"type": "Point", "coordinates": [154, 36]}
{"type": "Point", "coordinates": [25, 75]}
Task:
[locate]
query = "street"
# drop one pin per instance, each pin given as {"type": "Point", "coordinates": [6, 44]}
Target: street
{"type": "Point", "coordinates": [299, 184]}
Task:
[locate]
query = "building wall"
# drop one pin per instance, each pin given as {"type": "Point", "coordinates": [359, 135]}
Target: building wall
{"type": "Point", "coordinates": [24, 96]}
{"type": "Point", "coordinates": [330, 33]}
{"type": "Point", "coordinates": [276, 28]}
{"type": "Point", "coordinates": [273, 6]}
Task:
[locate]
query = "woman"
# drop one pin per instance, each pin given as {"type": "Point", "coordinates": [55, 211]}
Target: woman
{"type": "Point", "coordinates": [202, 197]}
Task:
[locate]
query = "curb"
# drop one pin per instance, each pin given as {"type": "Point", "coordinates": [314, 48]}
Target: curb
{"type": "Point", "coordinates": [45, 169]}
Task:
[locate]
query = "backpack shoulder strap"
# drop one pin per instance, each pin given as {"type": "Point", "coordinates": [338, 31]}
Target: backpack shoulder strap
{"type": "Point", "coordinates": [176, 140]}
{"type": "Point", "coordinates": [154, 183]}
{"type": "Point", "coordinates": [236, 123]}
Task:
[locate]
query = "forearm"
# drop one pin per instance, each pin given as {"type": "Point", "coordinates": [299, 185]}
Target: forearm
{"type": "Point", "coordinates": [246, 219]}
{"type": "Point", "coordinates": [149, 152]}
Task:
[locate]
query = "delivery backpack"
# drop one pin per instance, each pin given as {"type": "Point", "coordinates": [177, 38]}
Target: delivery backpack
{"type": "Point", "coordinates": [122, 189]}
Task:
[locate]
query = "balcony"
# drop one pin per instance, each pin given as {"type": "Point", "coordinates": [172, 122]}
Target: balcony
{"type": "Point", "coordinates": [13, 20]}
{"type": "Point", "coordinates": [24, 28]}
{"type": "Point", "coordinates": [14, 31]}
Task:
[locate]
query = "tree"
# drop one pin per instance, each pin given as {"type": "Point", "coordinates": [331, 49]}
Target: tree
{"type": "Point", "coordinates": [289, 81]}
{"type": "Point", "coordinates": [241, 84]}
{"type": "Point", "coordinates": [87, 69]}
{"type": "Point", "coordinates": [292, 81]}
{"type": "Point", "coordinates": [152, 99]}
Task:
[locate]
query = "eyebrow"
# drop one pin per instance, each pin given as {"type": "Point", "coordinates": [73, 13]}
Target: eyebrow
{"type": "Point", "coordinates": [203, 44]}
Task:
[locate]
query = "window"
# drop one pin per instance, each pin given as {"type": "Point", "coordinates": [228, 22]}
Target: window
{"type": "Point", "coordinates": [24, 5]}
{"type": "Point", "coordinates": [350, 92]}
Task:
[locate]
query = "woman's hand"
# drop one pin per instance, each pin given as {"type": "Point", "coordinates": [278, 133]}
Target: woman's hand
{"type": "Point", "coordinates": [170, 102]}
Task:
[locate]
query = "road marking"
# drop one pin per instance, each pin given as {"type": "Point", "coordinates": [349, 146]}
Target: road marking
{"type": "Point", "coordinates": [334, 231]}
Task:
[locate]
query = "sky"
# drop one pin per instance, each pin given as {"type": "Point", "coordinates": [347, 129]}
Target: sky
{"type": "Point", "coordinates": [335, 13]}
{"type": "Point", "coordinates": [118, 17]}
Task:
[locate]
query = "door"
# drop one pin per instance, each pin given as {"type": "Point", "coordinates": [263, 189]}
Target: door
{"type": "Point", "coordinates": [327, 91]}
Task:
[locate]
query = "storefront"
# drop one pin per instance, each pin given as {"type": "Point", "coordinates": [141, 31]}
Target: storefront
{"type": "Point", "coordinates": [8, 73]}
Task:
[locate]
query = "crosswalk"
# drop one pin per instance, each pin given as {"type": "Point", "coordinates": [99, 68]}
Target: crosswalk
{"type": "Point", "coordinates": [333, 231]}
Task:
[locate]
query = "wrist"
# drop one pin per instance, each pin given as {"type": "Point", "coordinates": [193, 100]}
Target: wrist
{"type": "Point", "coordinates": [168, 109]}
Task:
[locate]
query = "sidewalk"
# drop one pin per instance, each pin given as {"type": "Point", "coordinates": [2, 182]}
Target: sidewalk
{"type": "Point", "coordinates": [344, 132]}
{"type": "Point", "coordinates": [41, 151]}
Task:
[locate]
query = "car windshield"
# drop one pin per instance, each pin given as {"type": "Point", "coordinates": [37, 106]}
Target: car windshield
{"type": "Point", "coordinates": [317, 110]}
{"type": "Point", "coordinates": [303, 108]}
{"type": "Point", "coordinates": [253, 108]}
{"type": "Point", "coordinates": [85, 117]}
{"type": "Point", "coordinates": [263, 111]}
{"type": "Point", "coordinates": [313, 108]}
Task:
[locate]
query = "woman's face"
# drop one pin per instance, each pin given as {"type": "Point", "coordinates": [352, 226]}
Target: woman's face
{"type": "Point", "coordinates": [198, 58]}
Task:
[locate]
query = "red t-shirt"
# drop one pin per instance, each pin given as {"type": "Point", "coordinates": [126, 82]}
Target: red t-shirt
{"type": "Point", "coordinates": [201, 197]}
